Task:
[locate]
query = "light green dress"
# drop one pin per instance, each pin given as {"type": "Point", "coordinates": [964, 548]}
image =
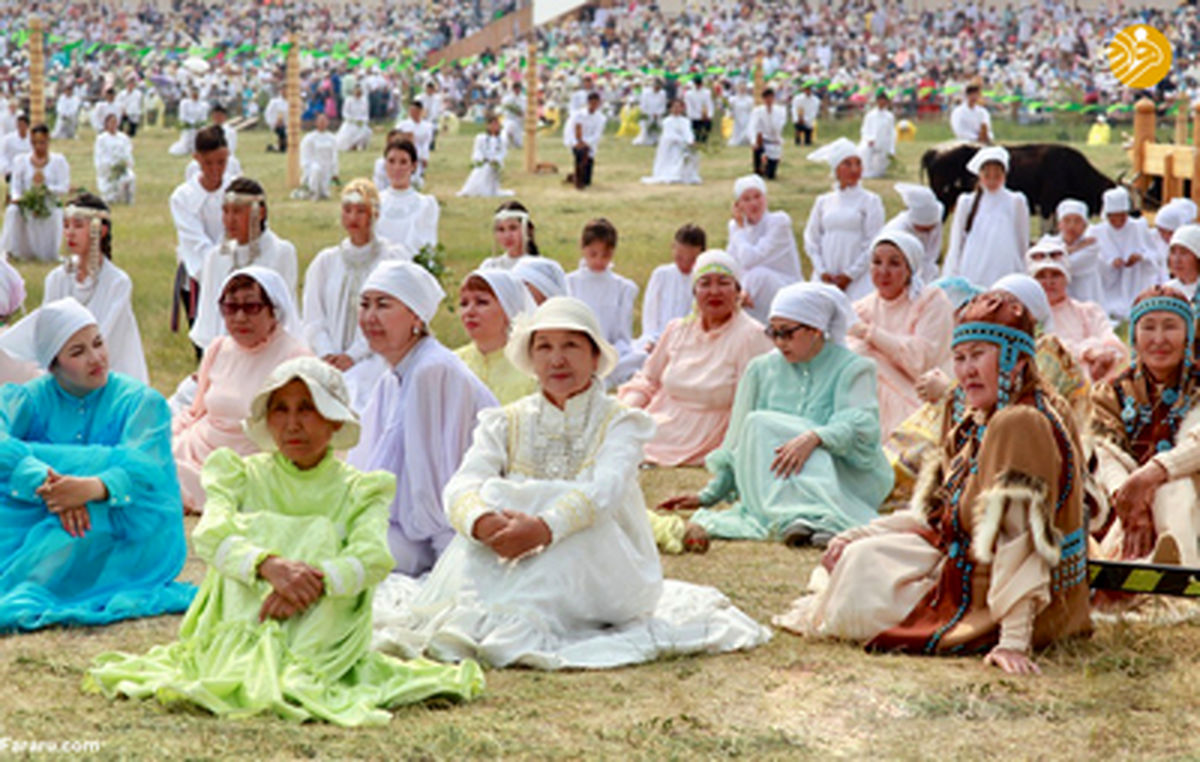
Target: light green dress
{"type": "Point", "coordinates": [317, 665]}
{"type": "Point", "coordinates": [844, 480]}
{"type": "Point", "coordinates": [497, 373]}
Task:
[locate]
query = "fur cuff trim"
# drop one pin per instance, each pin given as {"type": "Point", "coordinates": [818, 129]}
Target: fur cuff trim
{"type": "Point", "coordinates": [1022, 492]}
{"type": "Point", "coordinates": [929, 478]}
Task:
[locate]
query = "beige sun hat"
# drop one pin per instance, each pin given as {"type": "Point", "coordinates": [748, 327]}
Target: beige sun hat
{"type": "Point", "coordinates": [328, 389]}
{"type": "Point", "coordinates": [559, 313]}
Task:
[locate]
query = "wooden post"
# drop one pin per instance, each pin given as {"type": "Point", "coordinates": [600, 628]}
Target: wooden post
{"type": "Point", "coordinates": [1169, 190]}
{"type": "Point", "coordinates": [1196, 154]}
{"type": "Point", "coordinates": [293, 124]}
{"type": "Point", "coordinates": [759, 83]}
{"type": "Point", "coordinates": [37, 73]}
{"type": "Point", "coordinates": [531, 103]}
{"type": "Point", "coordinates": [1143, 133]}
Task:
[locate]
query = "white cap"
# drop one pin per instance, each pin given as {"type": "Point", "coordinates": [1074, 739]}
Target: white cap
{"type": "Point", "coordinates": [1045, 247]}
{"type": "Point", "coordinates": [1188, 236]}
{"type": "Point", "coordinates": [986, 154]}
{"type": "Point", "coordinates": [1069, 206]}
{"type": "Point", "coordinates": [835, 153]}
{"type": "Point", "coordinates": [716, 260]}
{"type": "Point", "coordinates": [745, 183]}
{"type": "Point", "coordinates": [411, 284]}
{"type": "Point", "coordinates": [818, 305]}
{"type": "Point", "coordinates": [923, 207]}
{"type": "Point", "coordinates": [1177, 212]}
{"type": "Point", "coordinates": [1116, 200]}
{"type": "Point", "coordinates": [1031, 294]}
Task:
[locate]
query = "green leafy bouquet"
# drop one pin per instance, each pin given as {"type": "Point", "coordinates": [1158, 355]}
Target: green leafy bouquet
{"type": "Point", "coordinates": [37, 202]}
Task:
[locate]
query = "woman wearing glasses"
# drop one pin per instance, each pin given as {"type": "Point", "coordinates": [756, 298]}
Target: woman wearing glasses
{"type": "Point", "coordinates": [1082, 327]}
{"type": "Point", "coordinates": [262, 326]}
{"type": "Point", "coordinates": [801, 459]}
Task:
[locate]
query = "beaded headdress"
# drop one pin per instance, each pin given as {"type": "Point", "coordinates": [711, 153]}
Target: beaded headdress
{"type": "Point", "coordinates": [96, 219]}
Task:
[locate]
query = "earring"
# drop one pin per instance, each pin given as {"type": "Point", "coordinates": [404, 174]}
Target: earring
{"type": "Point", "coordinates": [416, 330]}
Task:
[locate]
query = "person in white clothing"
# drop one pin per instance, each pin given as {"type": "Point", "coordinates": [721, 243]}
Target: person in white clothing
{"type": "Point", "coordinates": [100, 111]}
{"type": "Point", "coordinates": [197, 207]}
{"type": "Point", "coordinates": [319, 160]}
{"type": "Point", "coordinates": [379, 171]}
{"type": "Point", "coordinates": [763, 244]}
{"type": "Point", "coordinates": [420, 131]}
{"type": "Point", "coordinates": [1172, 215]}
{"type": "Point", "coordinates": [699, 103]}
{"type": "Point", "coordinates": [1185, 260]}
{"type": "Point", "coordinates": [129, 102]}
{"type": "Point", "coordinates": [355, 132]}
{"type": "Point", "coordinates": [610, 296]}
{"type": "Point", "coordinates": [113, 159]}
{"type": "Point", "coordinates": [433, 108]}
{"type": "Point", "coordinates": [579, 96]}
{"type": "Point", "coordinates": [220, 117]}
{"type": "Point", "coordinates": [513, 105]}
{"type": "Point", "coordinates": [766, 135]}
{"type": "Point", "coordinates": [487, 162]}
{"type": "Point", "coordinates": [192, 114]}
{"type": "Point", "coordinates": [14, 144]}
{"type": "Point", "coordinates": [406, 217]}
{"type": "Point", "coordinates": [233, 169]}
{"type": "Point", "coordinates": [90, 277]}
{"type": "Point", "coordinates": [512, 237]}
{"type": "Point", "coordinates": [877, 140]}
{"type": "Point", "coordinates": [675, 160]}
{"type": "Point", "coordinates": [1083, 251]}
{"type": "Point", "coordinates": [334, 279]}
{"type": "Point", "coordinates": [922, 219]}
{"type": "Point", "coordinates": [741, 105]}
{"type": "Point", "coordinates": [669, 291]}
{"type": "Point", "coordinates": [842, 223]}
{"type": "Point", "coordinates": [544, 278]}
{"type": "Point", "coordinates": [990, 230]}
{"type": "Point", "coordinates": [970, 121]}
{"type": "Point", "coordinates": [582, 135]}
{"type": "Point", "coordinates": [66, 111]}
{"type": "Point", "coordinates": [653, 104]}
{"type": "Point", "coordinates": [805, 108]}
{"type": "Point", "coordinates": [247, 241]}
{"type": "Point", "coordinates": [1128, 254]}
{"type": "Point", "coordinates": [36, 234]}
{"type": "Point", "coordinates": [276, 118]}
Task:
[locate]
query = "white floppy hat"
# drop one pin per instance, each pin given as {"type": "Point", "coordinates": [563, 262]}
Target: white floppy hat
{"type": "Point", "coordinates": [559, 313]}
{"type": "Point", "coordinates": [329, 392]}
{"type": "Point", "coordinates": [923, 206]}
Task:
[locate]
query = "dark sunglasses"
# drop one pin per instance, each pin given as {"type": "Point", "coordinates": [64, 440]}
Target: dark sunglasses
{"type": "Point", "coordinates": [784, 334]}
{"type": "Point", "coordinates": [229, 309]}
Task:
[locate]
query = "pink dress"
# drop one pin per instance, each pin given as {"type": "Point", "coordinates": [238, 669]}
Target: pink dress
{"type": "Point", "coordinates": [1081, 326]}
{"type": "Point", "coordinates": [688, 382]}
{"type": "Point", "coordinates": [905, 338]}
{"type": "Point", "coordinates": [229, 377]}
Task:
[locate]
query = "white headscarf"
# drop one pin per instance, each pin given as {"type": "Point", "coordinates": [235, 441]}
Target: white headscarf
{"type": "Point", "coordinates": [1116, 200]}
{"type": "Point", "coordinates": [1031, 294]}
{"type": "Point", "coordinates": [1047, 245]}
{"type": "Point", "coordinates": [411, 284]}
{"type": "Point", "coordinates": [559, 313]}
{"type": "Point", "coordinates": [716, 260]}
{"type": "Point", "coordinates": [544, 274]}
{"type": "Point", "coordinates": [510, 291]}
{"type": "Point", "coordinates": [835, 153]}
{"type": "Point", "coordinates": [912, 249]}
{"type": "Point", "coordinates": [12, 288]}
{"type": "Point", "coordinates": [1188, 236]}
{"type": "Point", "coordinates": [818, 305]}
{"type": "Point", "coordinates": [747, 182]}
{"type": "Point", "coordinates": [277, 291]}
{"type": "Point", "coordinates": [40, 336]}
{"type": "Point", "coordinates": [1177, 212]}
{"type": "Point", "coordinates": [923, 206]}
{"type": "Point", "coordinates": [986, 154]}
{"type": "Point", "coordinates": [1069, 206]}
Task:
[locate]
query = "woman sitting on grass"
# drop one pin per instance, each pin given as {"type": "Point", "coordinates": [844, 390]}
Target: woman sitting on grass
{"type": "Point", "coordinates": [295, 542]}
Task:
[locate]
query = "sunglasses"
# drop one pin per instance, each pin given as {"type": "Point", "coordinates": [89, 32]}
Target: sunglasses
{"type": "Point", "coordinates": [229, 309]}
{"type": "Point", "coordinates": [784, 334]}
{"type": "Point", "coordinates": [1040, 256]}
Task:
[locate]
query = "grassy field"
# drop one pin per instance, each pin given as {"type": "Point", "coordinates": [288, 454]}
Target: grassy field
{"type": "Point", "coordinates": [1128, 692]}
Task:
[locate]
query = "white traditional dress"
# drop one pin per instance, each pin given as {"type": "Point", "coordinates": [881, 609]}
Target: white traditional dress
{"type": "Point", "coordinates": [513, 124]}
{"type": "Point", "coordinates": [611, 298]}
{"type": "Point", "coordinates": [767, 253]}
{"type": "Point", "coordinates": [408, 218]}
{"type": "Point", "coordinates": [113, 157]}
{"type": "Point", "coordinates": [838, 235]}
{"type": "Point", "coordinates": [192, 114]}
{"type": "Point", "coordinates": [269, 251]}
{"type": "Point", "coordinates": [1122, 285]}
{"type": "Point", "coordinates": [318, 162]}
{"type": "Point", "coordinates": [996, 244]}
{"type": "Point", "coordinates": [66, 112]}
{"type": "Point", "coordinates": [487, 162]}
{"type": "Point", "coordinates": [668, 296]}
{"type": "Point", "coordinates": [108, 295]}
{"type": "Point", "coordinates": [595, 597]}
{"type": "Point", "coordinates": [653, 105]}
{"type": "Point", "coordinates": [877, 141]}
{"type": "Point", "coordinates": [26, 236]}
{"type": "Point", "coordinates": [740, 107]}
{"type": "Point", "coordinates": [675, 160]}
{"type": "Point", "coordinates": [355, 132]}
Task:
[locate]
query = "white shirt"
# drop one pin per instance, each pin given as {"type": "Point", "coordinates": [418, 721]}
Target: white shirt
{"type": "Point", "coordinates": [67, 106]}
{"type": "Point", "coordinates": [612, 298]}
{"type": "Point", "coordinates": [319, 148]}
{"type": "Point", "coordinates": [422, 133]}
{"type": "Point", "coordinates": [269, 251]}
{"type": "Point", "coordinates": [998, 240]}
{"type": "Point", "coordinates": [668, 296]}
{"type": "Point", "coordinates": [805, 109]}
{"type": "Point", "coordinates": [56, 175]}
{"type": "Point", "coordinates": [408, 218]}
{"type": "Point", "coordinates": [769, 244]}
{"type": "Point", "coordinates": [768, 124]}
{"type": "Point", "coordinates": [653, 103]}
{"type": "Point", "coordinates": [879, 127]}
{"type": "Point", "coordinates": [277, 112]}
{"type": "Point", "coordinates": [698, 103]}
{"type": "Point", "coordinates": [129, 102]}
{"type": "Point", "coordinates": [198, 222]}
{"type": "Point", "coordinates": [100, 114]}
{"type": "Point", "coordinates": [593, 129]}
{"type": "Point", "coordinates": [966, 121]}
{"type": "Point", "coordinates": [13, 146]}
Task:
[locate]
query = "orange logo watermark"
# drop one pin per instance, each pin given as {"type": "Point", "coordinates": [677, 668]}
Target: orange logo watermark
{"type": "Point", "coordinates": [1140, 56]}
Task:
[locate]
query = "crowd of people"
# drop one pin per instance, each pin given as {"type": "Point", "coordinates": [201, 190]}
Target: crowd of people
{"type": "Point", "coordinates": [380, 513]}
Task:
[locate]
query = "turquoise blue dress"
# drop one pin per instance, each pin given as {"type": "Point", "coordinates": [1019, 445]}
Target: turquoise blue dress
{"type": "Point", "coordinates": [125, 566]}
{"type": "Point", "coordinates": [844, 480]}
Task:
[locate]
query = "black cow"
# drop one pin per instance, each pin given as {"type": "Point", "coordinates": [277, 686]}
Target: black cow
{"type": "Point", "coordinates": [1046, 173]}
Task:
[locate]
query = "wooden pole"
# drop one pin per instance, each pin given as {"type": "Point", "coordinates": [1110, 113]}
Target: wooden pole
{"type": "Point", "coordinates": [531, 103]}
{"type": "Point", "coordinates": [37, 73]}
{"type": "Point", "coordinates": [759, 83]}
{"type": "Point", "coordinates": [1196, 154]}
{"type": "Point", "coordinates": [293, 123]}
{"type": "Point", "coordinates": [1143, 133]}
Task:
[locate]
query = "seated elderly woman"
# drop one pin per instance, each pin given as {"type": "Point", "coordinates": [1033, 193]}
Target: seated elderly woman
{"type": "Point", "coordinates": [91, 530]}
{"type": "Point", "coordinates": [802, 455]}
{"type": "Point", "coordinates": [488, 302]}
{"type": "Point", "coordinates": [553, 563]}
{"type": "Point", "coordinates": [295, 545]}
{"type": "Point", "coordinates": [991, 556]}
{"type": "Point", "coordinates": [1082, 327]}
{"type": "Point", "coordinates": [688, 382]}
{"type": "Point", "coordinates": [903, 326]}
{"type": "Point", "coordinates": [418, 421]}
{"type": "Point", "coordinates": [1147, 442]}
{"type": "Point", "coordinates": [260, 317]}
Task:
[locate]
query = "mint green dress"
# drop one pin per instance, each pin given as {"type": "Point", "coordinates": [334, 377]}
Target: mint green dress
{"type": "Point", "coordinates": [316, 665]}
{"type": "Point", "coordinates": [844, 480]}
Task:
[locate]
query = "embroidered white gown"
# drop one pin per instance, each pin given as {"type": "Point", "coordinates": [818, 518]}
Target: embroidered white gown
{"type": "Point", "coordinates": [837, 237]}
{"type": "Point", "coordinates": [674, 160]}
